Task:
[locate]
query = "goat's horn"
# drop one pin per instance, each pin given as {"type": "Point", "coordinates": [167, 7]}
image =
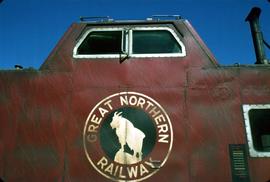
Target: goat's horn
{"type": "Point", "coordinates": [117, 113]}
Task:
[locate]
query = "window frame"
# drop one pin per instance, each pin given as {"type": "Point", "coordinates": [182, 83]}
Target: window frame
{"type": "Point", "coordinates": [129, 42]}
{"type": "Point", "coordinates": [75, 50]}
{"type": "Point", "coordinates": [138, 55]}
{"type": "Point", "coordinates": [246, 108]}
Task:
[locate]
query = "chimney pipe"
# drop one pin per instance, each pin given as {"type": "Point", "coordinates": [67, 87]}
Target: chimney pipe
{"type": "Point", "coordinates": [257, 36]}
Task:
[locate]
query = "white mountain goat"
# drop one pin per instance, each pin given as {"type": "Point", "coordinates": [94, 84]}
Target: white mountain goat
{"type": "Point", "coordinates": [127, 133]}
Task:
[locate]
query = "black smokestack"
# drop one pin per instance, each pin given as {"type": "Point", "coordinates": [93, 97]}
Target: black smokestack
{"type": "Point", "coordinates": [257, 36]}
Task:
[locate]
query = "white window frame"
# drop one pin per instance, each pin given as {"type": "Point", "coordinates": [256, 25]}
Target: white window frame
{"type": "Point", "coordinates": [183, 49]}
{"type": "Point", "coordinates": [75, 50]}
{"type": "Point", "coordinates": [128, 44]}
{"type": "Point", "coordinates": [246, 108]}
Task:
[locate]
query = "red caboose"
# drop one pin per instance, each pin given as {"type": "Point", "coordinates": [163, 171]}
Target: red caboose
{"type": "Point", "coordinates": [133, 101]}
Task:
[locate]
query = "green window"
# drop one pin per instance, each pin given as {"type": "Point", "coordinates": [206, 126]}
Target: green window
{"type": "Point", "coordinates": [101, 42]}
{"type": "Point", "coordinates": [260, 128]}
{"type": "Point", "coordinates": [154, 42]}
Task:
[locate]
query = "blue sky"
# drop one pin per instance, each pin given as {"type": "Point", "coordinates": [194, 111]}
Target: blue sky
{"type": "Point", "coordinates": [30, 29]}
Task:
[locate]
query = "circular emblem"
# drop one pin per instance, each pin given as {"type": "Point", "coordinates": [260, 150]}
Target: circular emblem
{"type": "Point", "coordinates": [127, 136]}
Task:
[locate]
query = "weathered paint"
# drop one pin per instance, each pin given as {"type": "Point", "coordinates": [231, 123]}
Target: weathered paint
{"type": "Point", "coordinates": [43, 113]}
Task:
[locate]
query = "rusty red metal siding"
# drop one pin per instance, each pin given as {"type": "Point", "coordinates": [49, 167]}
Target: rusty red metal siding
{"type": "Point", "coordinates": [43, 112]}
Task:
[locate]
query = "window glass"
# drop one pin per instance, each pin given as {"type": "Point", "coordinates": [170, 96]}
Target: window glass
{"type": "Point", "coordinates": [101, 42]}
{"type": "Point", "coordinates": [154, 42]}
{"type": "Point", "coordinates": [260, 128]}
{"type": "Point", "coordinates": [137, 42]}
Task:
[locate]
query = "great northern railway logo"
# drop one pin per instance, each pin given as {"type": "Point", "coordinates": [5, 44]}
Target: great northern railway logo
{"type": "Point", "coordinates": [127, 136]}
